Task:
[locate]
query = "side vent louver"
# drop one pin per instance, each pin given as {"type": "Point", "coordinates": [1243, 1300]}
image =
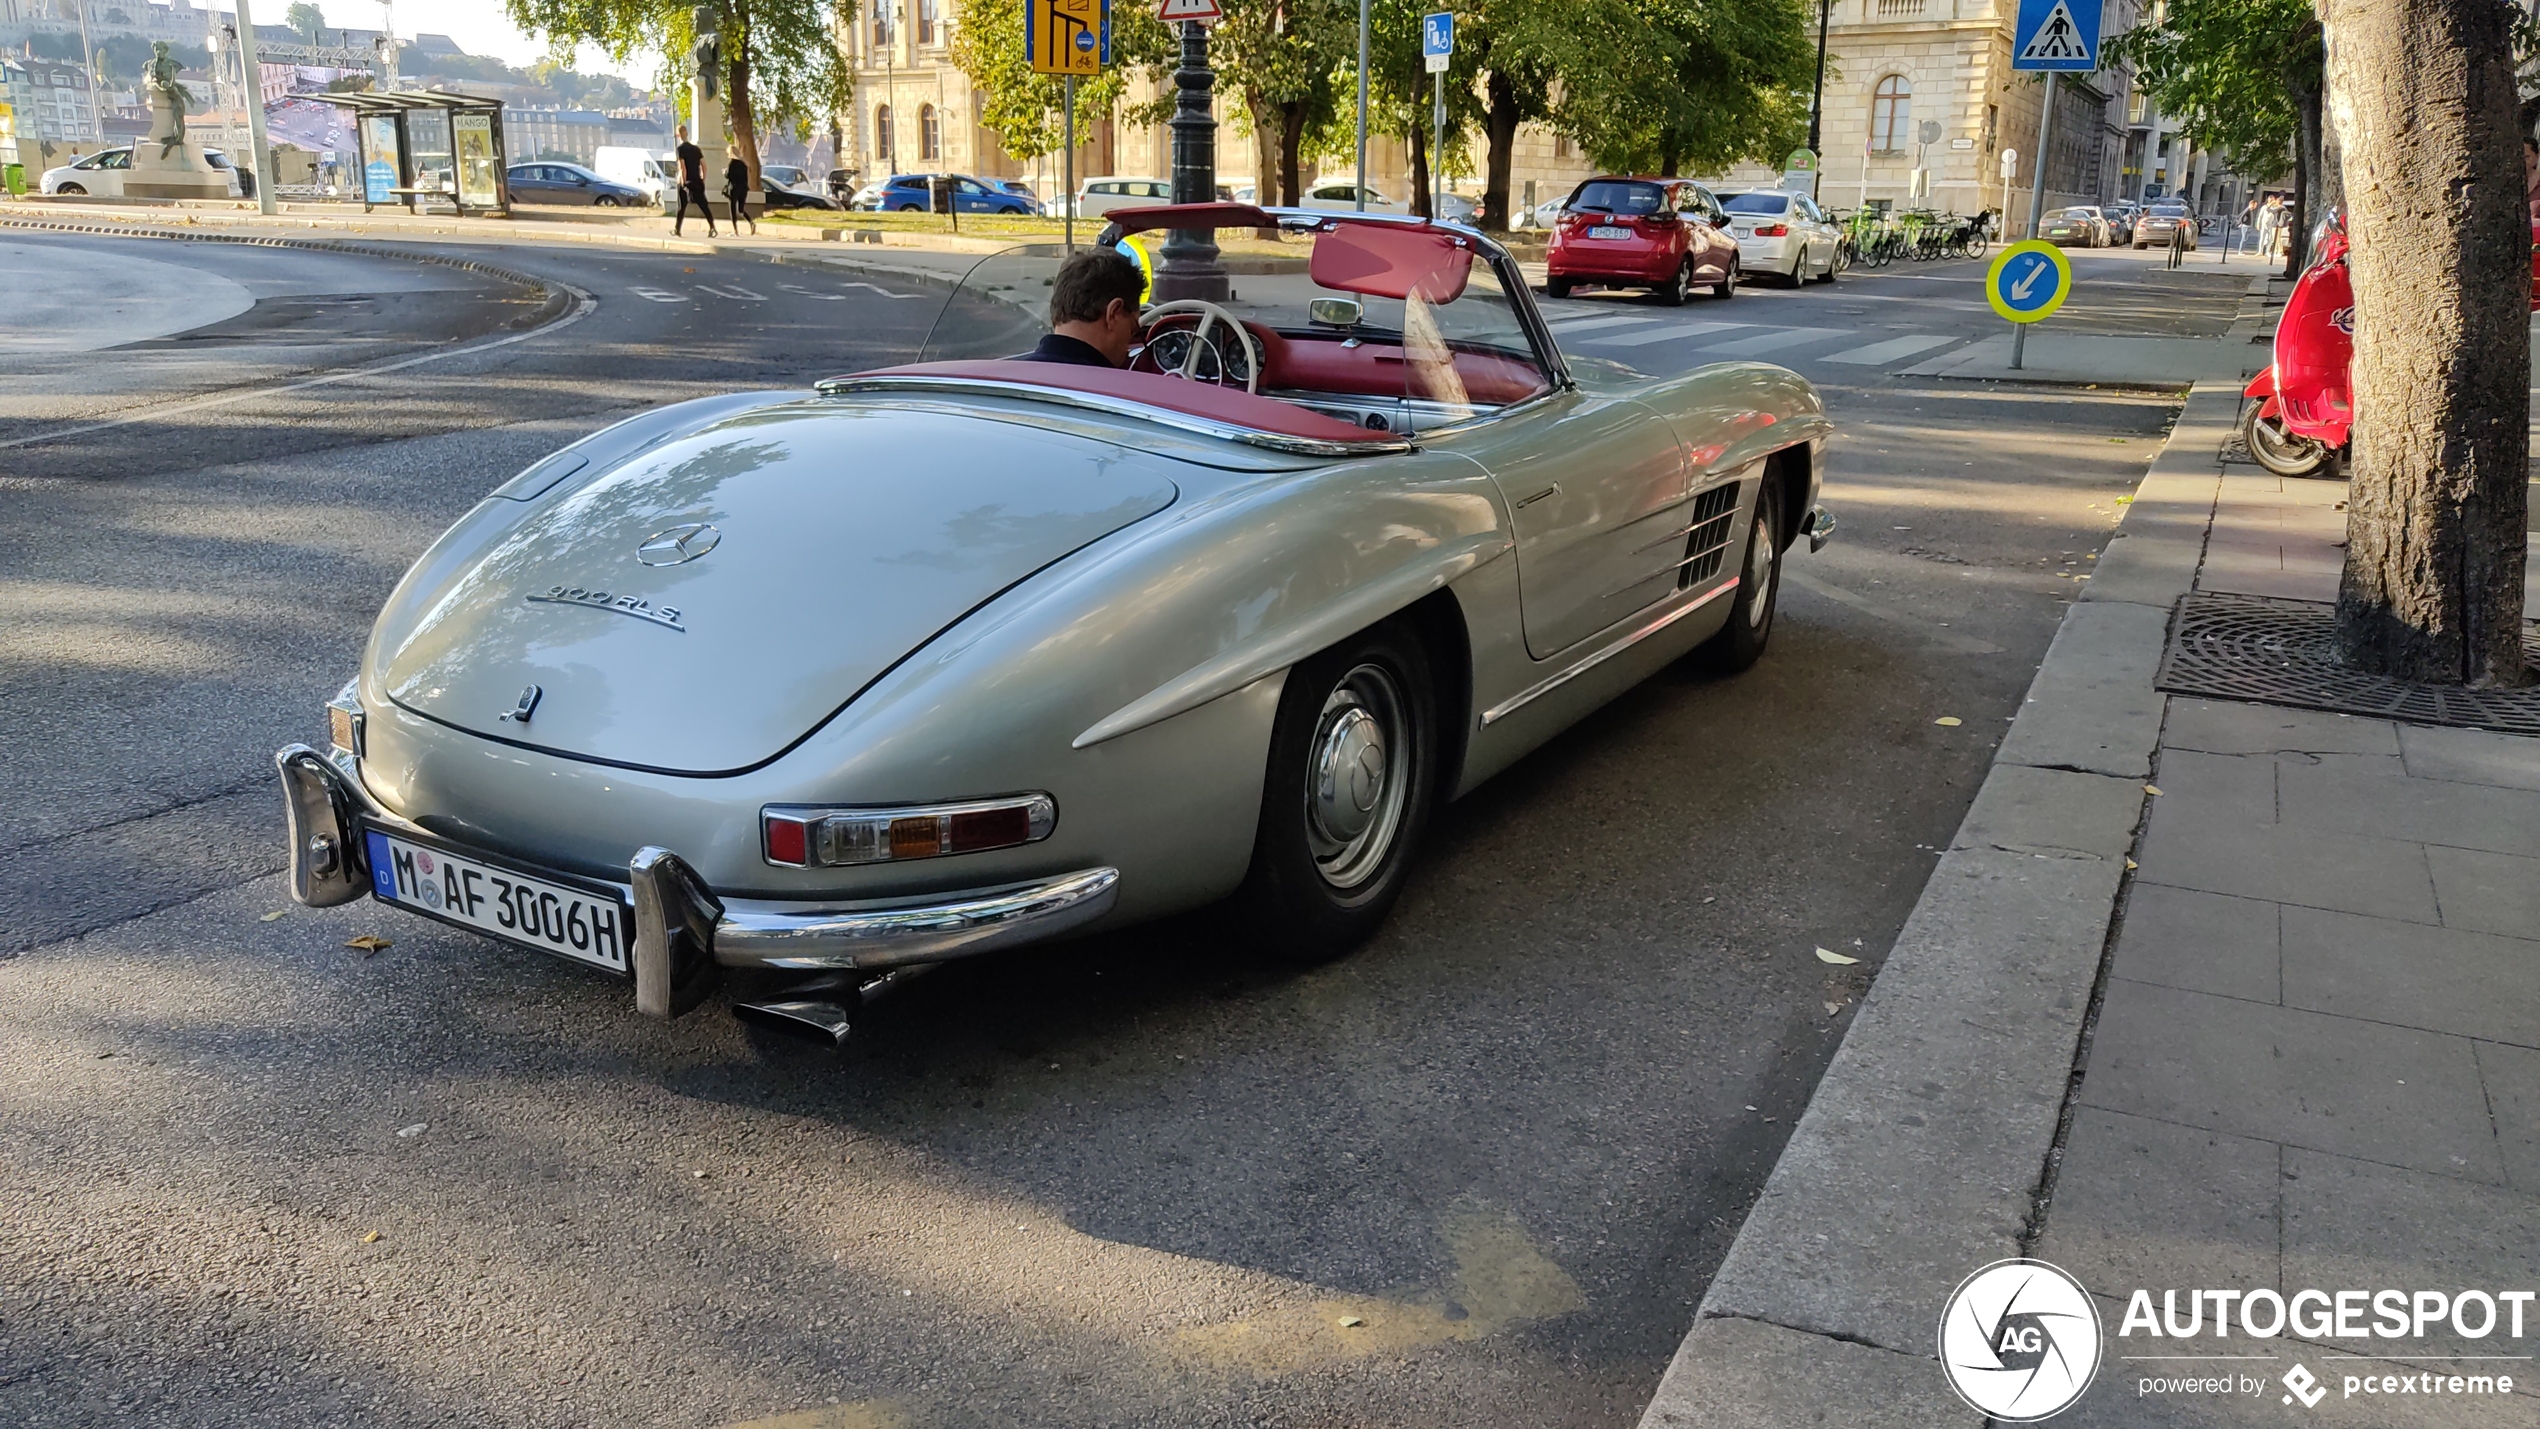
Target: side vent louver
{"type": "Point", "coordinates": [1707, 545]}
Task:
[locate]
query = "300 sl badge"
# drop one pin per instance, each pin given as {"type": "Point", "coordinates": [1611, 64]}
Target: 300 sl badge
{"type": "Point", "coordinates": [634, 605]}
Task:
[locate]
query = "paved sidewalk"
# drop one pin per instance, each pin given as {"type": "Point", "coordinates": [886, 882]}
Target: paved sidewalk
{"type": "Point", "coordinates": [2205, 995]}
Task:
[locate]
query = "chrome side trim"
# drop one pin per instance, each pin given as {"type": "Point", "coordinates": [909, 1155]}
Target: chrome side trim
{"type": "Point", "coordinates": [1113, 406]}
{"type": "Point", "coordinates": [1647, 628]}
{"type": "Point", "coordinates": [772, 936]}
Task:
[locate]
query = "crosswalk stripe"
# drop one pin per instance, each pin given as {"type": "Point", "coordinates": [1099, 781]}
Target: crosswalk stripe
{"type": "Point", "coordinates": [1775, 341]}
{"type": "Point", "coordinates": [1667, 334]}
{"type": "Point", "coordinates": [1566, 326]}
{"type": "Point", "coordinates": [1893, 349]}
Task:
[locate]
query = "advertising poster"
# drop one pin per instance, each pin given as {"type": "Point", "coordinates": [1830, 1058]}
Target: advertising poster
{"type": "Point", "coordinates": [379, 162]}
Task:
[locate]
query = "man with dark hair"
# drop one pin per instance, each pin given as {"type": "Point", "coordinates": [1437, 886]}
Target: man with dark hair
{"type": "Point", "coordinates": [1093, 310]}
{"type": "Point", "coordinates": [692, 184]}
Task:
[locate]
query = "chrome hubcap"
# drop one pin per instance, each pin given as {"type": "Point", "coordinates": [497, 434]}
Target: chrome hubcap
{"type": "Point", "coordinates": [1355, 798]}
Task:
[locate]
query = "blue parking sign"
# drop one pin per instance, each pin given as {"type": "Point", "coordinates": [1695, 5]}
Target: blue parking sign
{"type": "Point", "coordinates": [1437, 34]}
{"type": "Point", "coordinates": [2056, 35]}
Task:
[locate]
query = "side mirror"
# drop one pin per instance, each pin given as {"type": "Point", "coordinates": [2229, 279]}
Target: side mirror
{"type": "Point", "coordinates": [1336, 312]}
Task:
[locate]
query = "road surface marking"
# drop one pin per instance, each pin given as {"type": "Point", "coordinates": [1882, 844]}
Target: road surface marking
{"type": "Point", "coordinates": [1566, 326]}
{"type": "Point", "coordinates": [658, 296]}
{"type": "Point", "coordinates": [1893, 349]}
{"type": "Point", "coordinates": [1775, 341]}
{"type": "Point", "coordinates": [735, 291]}
{"type": "Point", "coordinates": [582, 306]}
{"type": "Point", "coordinates": [1644, 339]}
{"type": "Point", "coordinates": [808, 293]}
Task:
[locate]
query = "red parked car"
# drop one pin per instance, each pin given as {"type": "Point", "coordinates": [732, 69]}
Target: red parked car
{"type": "Point", "coordinates": [1666, 235]}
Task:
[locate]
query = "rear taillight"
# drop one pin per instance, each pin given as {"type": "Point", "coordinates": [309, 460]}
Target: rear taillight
{"type": "Point", "coordinates": [799, 837]}
{"type": "Point", "coordinates": [1772, 230]}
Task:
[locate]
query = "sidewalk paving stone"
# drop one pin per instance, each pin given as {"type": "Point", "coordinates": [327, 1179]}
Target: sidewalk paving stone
{"type": "Point", "coordinates": [2387, 878]}
{"type": "Point", "coordinates": [2142, 1202]}
{"type": "Point", "coordinates": [2356, 1223]}
{"type": "Point", "coordinates": [2092, 706]}
{"type": "Point", "coordinates": [1745, 1374]}
{"type": "Point", "coordinates": [2438, 979]}
{"type": "Point", "coordinates": [2420, 810]}
{"type": "Point", "coordinates": [2229, 788]}
{"type": "Point", "coordinates": [2360, 1089]}
{"type": "Point", "coordinates": [2471, 756]}
{"type": "Point", "coordinates": [2053, 813]}
{"type": "Point", "coordinates": [2512, 1075]}
{"type": "Point", "coordinates": [2201, 942]}
{"type": "Point", "coordinates": [2486, 891]}
{"type": "Point", "coordinates": [2225, 727]}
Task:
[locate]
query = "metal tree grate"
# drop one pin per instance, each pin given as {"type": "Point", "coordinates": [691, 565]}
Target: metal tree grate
{"type": "Point", "coordinates": [2283, 652]}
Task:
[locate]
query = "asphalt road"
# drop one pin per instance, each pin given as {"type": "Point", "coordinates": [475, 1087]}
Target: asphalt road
{"type": "Point", "coordinates": [258, 1177]}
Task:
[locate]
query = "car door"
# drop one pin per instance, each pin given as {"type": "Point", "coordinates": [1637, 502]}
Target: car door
{"type": "Point", "coordinates": [529, 184]}
{"type": "Point", "coordinates": [1596, 492]}
{"type": "Point", "coordinates": [1723, 243]}
{"type": "Point", "coordinates": [970, 197]}
{"type": "Point", "coordinates": [1821, 234]}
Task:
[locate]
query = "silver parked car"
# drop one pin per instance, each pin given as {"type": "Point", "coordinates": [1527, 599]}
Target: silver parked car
{"type": "Point", "coordinates": [973, 652]}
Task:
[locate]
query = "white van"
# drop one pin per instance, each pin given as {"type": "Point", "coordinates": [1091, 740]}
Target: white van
{"type": "Point", "coordinates": [656, 172]}
{"type": "Point", "coordinates": [1102, 195]}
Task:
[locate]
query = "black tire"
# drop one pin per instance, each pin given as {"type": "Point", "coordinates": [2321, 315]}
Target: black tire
{"type": "Point", "coordinates": [2281, 452]}
{"type": "Point", "coordinates": [72, 189]}
{"type": "Point", "coordinates": [910, 208]}
{"type": "Point", "coordinates": [1797, 277]}
{"type": "Point", "coordinates": [1329, 859]}
{"type": "Point", "coordinates": [1556, 287]}
{"type": "Point", "coordinates": [1672, 292]}
{"type": "Point", "coordinates": [604, 201]}
{"type": "Point", "coordinates": [1741, 642]}
{"type": "Point", "coordinates": [1833, 261]}
{"type": "Point", "coordinates": [1726, 288]}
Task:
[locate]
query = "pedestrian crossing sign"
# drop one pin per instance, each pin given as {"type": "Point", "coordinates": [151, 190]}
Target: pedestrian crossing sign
{"type": "Point", "coordinates": [2052, 34]}
{"type": "Point", "coordinates": [1067, 36]}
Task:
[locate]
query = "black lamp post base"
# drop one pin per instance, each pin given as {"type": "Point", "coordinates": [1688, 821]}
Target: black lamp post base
{"type": "Point", "coordinates": [1187, 266]}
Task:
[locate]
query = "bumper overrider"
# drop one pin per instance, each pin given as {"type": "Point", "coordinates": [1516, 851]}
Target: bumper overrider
{"type": "Point", "coordinates": [685, 934]}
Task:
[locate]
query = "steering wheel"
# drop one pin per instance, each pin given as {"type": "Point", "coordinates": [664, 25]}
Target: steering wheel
{"type": "Point", "coordinates": [1210, 315]}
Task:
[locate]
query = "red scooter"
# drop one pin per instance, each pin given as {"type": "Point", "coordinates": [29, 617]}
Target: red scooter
{"type": "Point", "coordinates": [2299, 413]}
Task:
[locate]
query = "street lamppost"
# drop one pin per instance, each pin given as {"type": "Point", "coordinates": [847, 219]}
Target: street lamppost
{"type": "Point", "coordinates": [1187, 265]}
{"type": "Point", "coordinates": [892, 14]}
{"type": "Point", "coordinates": [1817, 104]}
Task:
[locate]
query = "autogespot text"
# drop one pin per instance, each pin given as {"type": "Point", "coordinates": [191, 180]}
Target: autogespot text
{"type": "Point", "coordinates": [2492, 1321]}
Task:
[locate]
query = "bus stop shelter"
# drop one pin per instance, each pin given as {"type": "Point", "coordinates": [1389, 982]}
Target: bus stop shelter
{"type": "Point", "coordinates": [423, 146]}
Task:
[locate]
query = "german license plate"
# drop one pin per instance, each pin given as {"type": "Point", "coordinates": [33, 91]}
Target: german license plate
{"type": "Point", "coordinates": [1606, 231]}
{"type": "Point", "coordinates": [551, 917]}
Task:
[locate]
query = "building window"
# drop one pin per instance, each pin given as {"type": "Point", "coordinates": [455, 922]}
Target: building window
{"type": "Point", "coordinates": [928, 20]}
{"type": "Point", "coordinates": [1560, 146]}
{"type": "Point", "coordinates": [1891, 114]}
{"type": "Point", "coordinates": [882, 25]}
{"type": "Point", "coordinates": [885, 143]}
{"type": "Point", "coordinates": [1992, 125]}
{"type": "Point", "coordinates": [930, 133]}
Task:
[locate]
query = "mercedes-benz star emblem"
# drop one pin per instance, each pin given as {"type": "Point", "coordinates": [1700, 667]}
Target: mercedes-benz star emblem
{"type": "Point", "coordinates": [678, 544]}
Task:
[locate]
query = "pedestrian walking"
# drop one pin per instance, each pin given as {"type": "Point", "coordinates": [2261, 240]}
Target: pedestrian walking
{"type": "Point", "coordinates": [2270, 218]}
{"type": "Point", "coordinates": [692, 184]}
{"type": "Point", "coordinates": [736, 190]}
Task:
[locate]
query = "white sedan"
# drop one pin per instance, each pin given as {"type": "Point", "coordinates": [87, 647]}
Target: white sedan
{"type": "Point", "coordinates": [1341, 195]}
{"type": "Point", "coordinates": [1783, 235]}
{"type": "Point", "coordinates": [101, 175]}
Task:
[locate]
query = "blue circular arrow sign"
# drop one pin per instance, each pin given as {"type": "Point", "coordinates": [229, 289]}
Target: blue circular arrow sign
{"type": "Point", "coordinates": [2028, 281]}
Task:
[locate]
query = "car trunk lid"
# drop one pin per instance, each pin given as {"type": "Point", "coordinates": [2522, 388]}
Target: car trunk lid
{"type": "Point", "coordinates": [705, 605]}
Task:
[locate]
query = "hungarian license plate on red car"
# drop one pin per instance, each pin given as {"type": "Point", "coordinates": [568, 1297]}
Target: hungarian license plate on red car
{"type": "Point", "coordinates": [552, 917]}
{"type": "Point", "coordinates": [1608, 231]}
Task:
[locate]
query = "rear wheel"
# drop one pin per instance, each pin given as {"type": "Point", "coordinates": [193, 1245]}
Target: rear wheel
{"type": "Point", "coordinates": [1672, 292]}
{"type": "Point", "coordinates": [1352, 773]}
{"type": "Point", "coordinates": [1556, 287]}
{"type": "Point", "coordinates": [2278, 450]}
{"type": "Point", "coordinates": [1741, 642]}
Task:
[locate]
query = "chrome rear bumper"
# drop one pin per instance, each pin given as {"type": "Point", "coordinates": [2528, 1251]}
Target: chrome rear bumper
{"type": "Point", "coordinates": [684, 931]}
{"type": "Point", "coordinates": [1818, 526]}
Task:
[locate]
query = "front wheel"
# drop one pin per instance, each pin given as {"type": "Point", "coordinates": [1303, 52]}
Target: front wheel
{"type": "Point", "coordinates": [1741, 642]}
{"type": "Point", "coordinates": [2278, 450]}
{"type": "Point", "coordinates": [1976, 246]}
{"type": "Point", "coordinates": [1351, 777]}
{"type": "Point", "coordinates": [604, 201]}
{"type": "Point", "coordinates": [71, 189]}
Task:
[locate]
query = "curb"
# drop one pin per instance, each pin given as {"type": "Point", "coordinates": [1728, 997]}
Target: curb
{"type": "Point", "coordinates": [273, 240]}
{"type": "Point", "coordinates": [389, 233]}
{"type": "Point", "coordinates": [1929, 1148]}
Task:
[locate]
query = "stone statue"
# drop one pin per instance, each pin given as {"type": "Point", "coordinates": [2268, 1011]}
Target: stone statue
{"type": "Point", "coordinates": [169, 99]}
{"type": "Point", "coordinates": [165, 165]}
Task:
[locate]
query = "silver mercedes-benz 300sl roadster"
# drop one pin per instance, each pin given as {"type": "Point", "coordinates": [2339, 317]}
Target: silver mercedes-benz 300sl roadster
{"type": "Point", "coordinates": [974, 652]}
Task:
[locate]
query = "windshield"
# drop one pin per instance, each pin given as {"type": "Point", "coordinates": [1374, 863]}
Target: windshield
{"type": "Point", "coordinates": [1756, 203]}
{"type": "Point", "coordinates": [1623, 196]}
{"type": "Point", "coordinates": [1423, 335]}
{"type": "Point", "coordinates": [2169, 210]}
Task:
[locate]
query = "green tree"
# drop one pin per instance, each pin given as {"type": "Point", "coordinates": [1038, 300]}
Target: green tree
{"type": "Point", "coordinates": [780, 58]}
{"type": "Point", "coordinates": [2243, 78]}
{"type": "Point", "coordinates": [1668, 86]}
{"type": "Point", "coordinates": [1028, 111]}
{"type": "Point", "coordinates": [307, 20]}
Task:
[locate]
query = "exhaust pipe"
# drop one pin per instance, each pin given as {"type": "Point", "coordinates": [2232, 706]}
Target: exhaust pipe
{"type": "Point", "coordinates": [824, 1009]}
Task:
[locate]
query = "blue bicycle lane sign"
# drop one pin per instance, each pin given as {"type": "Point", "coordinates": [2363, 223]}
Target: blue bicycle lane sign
{"type": "Point", "coordinates": [2028, 281]}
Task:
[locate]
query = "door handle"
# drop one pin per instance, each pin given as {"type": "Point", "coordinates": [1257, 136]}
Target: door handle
{"type": "Point", "coordinates": [1538, 496]}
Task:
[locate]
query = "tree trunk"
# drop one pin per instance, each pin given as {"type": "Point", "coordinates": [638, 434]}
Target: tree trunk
{"type": "Point", "coordinates": [2426, 110]}
{"type": "Point", "coordinates": [1667, 161]}
{"type": "Point", "coordinates": [744, 124]}
{"type": "Point", "coordinates": [1499, 124]}
{"type": "Point", "coordinates": [1419, 170]}
{"type": "Point", "coordinates": [1269, 128]}
{"type": "Point", "coordinates": [1291, 146]}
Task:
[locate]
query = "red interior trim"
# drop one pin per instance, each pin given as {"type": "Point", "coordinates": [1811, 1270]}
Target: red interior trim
{"type": "Point", "coordinates": [1233, 406]}
{"type": "Point", "coordinates": [1189, 215]}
